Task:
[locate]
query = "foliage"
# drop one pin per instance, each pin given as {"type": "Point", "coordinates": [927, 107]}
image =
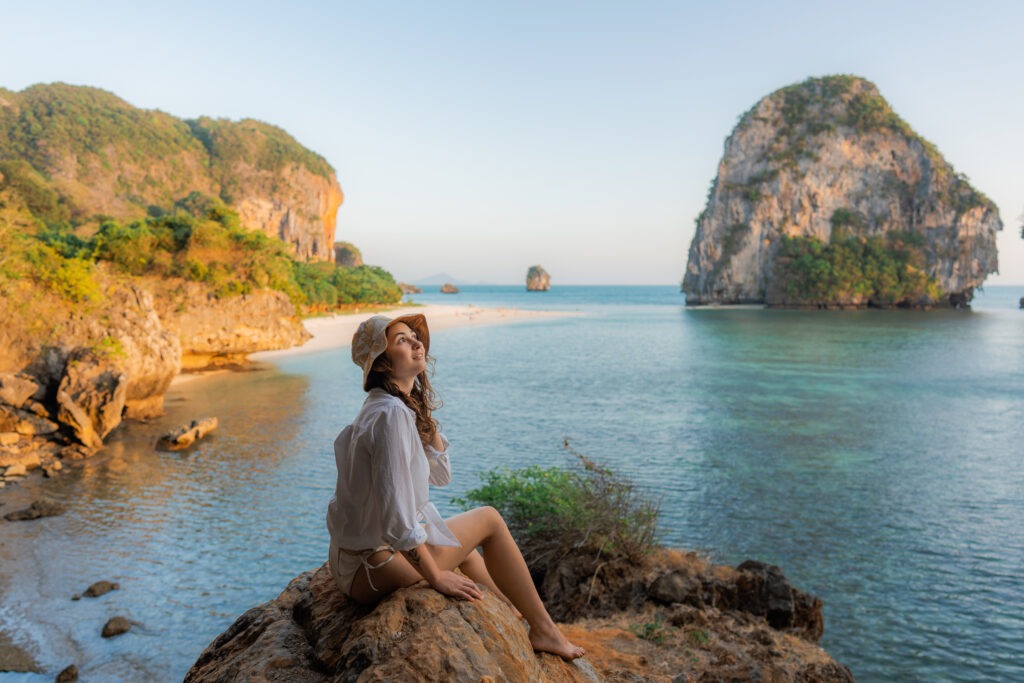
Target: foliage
{"type": "Point", "coordinates": [23, 181]}
{"type": "Point", "coordinates": [326, 286]}
{"type": "Point", "coordinates": [879, 271]}
{"type": "Point", "coordinates": [557, 511]}
{"type": "Point", "coordinates": [655, 631]}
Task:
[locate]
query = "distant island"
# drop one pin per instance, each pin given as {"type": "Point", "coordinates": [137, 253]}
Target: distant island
{"type": "Point", "coordinates": [825, 198]}
{"type": "Point", "coordinates": [537, 279]}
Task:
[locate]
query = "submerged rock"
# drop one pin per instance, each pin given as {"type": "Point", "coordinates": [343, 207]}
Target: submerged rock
{"type": "Point", "coordinates": [825, 197]}
{"type": "Point", "coordinates": [115, 626]}
{"type": "Point", "coordinates": [38, 508]}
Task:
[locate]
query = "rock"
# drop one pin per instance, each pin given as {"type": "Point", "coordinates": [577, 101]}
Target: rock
{"type": "Point", "coordinates": [17, 470]}
{"type": "Point", "coordinates": [346, 255]}
{"type": "Point", "coordinates": [77, 452]}
{"type": "Point", "coordinates": [828, 159]}
{"type": "Point", "coordinates": [15, 389]}
{"type": "Point", "coordinates": [449, 288]}
{"type": "Point", "coordinates": [68, 675]}
{"type": "Point", "coordinates": [537, 279]}
{"type": "Point", "coordinates": [675, 587]}
{"type": "Point", "coordinates": [115, 626]}
{"type": "Point", "coordinates": [214, 332]}
{"type": "Point", "coordinates": [184, 436]}
{"type": "Point", "coordinates": [38, 508]}
{"type": "Point", "coordinates": [409, 289]}
{"type": "Point", "coordinates": [1022, 302]}
{"type": "Point", "coordinates": [311, 632]}
{"type": "Point", "coordinates": [9, 438]}
{"type": "Point", "coordinates": [24, 423]}
{"type": "Point", "coordinates": [91, 397]}
{"type": "Point", "coordinates": [100, 588]}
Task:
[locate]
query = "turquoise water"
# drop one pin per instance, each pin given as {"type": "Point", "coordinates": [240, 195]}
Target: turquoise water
{"type": "Point", "coordinates": [874, 455]}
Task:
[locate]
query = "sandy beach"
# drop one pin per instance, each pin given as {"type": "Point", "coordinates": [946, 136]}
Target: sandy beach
{"type": "Point", "coordinates": [330, 332]}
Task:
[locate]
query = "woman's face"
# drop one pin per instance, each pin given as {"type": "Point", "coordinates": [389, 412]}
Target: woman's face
{"type": "Point", "coordinates": [406, 353]}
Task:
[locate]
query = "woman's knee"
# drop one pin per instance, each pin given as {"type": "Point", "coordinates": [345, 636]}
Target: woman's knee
{"type": "Point", "coordinates": [493, 517]}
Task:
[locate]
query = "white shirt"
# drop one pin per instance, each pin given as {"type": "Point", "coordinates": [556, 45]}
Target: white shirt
{"type": "Point", "coordinates": [383, 472]}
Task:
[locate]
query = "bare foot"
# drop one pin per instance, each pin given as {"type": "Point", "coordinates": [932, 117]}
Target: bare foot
{"type": "Point", "coordinates": [552, 640]}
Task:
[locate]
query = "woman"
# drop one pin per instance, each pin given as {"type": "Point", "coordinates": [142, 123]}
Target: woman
{"type": "Point", "coordinates": [385, 534]}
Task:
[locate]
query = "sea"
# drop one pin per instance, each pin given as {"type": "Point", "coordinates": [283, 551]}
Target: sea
{"type": "Point", "coordinates": [876, 456]}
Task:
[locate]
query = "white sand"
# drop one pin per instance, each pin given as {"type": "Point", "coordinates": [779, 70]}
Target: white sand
{"type": "Point", "coordinates": [336, 331]}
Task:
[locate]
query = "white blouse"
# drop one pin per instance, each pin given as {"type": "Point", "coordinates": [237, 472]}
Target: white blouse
{"type": "Point", "coordinates": [383, 472]}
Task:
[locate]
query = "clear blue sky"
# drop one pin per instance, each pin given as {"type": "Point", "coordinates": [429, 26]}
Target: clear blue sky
{"type": "Point", "coordinates": [479, 138]}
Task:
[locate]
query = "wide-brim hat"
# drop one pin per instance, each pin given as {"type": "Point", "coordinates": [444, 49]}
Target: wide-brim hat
{"type": "Point", "coordinates": [371, 339]}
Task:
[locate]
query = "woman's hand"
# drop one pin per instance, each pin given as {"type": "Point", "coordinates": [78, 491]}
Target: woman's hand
{"type": "Point", "coordinates": [457, 586]}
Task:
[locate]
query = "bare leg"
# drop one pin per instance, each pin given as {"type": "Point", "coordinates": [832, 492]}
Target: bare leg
{"type": "Point", "coordinates": [473, 567]}
{"type": "Point", "coordinates": [484, 527]}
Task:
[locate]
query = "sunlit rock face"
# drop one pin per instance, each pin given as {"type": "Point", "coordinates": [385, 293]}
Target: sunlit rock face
{"type": "Point", "coordinates": [828, 159]}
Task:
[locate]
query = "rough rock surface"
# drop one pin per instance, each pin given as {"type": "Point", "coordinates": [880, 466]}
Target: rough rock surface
{"type": "Point", "coordinates": [115, 626]}
{"type": "Point", "coordinates": [347, 255]}
{"type": "Point", "coordinates": [537, 280]}
{"type": "Point", "coordinates": [91, 397]}
{"type": "Point", "coordinates": [186, 435]}
{"type": "Point", "coordinates": [826, 155]}
{"type": "Point", "coordinates": [38, 508]}
{"type": "Point", "coordinates": [681, 619]}
{"type": "Point", "coordinates": [311, 632]}
{"type": "Point", "coordinates": [215, 332]}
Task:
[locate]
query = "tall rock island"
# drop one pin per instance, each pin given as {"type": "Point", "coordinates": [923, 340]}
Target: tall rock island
{"type": "Point", "coordinates": [537, 279]}
{"type": "Point", "coordinates": [826, 198]}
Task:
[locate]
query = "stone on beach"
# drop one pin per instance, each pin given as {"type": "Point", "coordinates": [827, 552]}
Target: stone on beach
{"type": "Point", "coordinates": [91, 397]}
{"type": "Point", "coordinates": [115, 626]}
{"type": "Point", "coordinates": [184, 436]}
{"type": "Point", "coordinates": [69, 674]}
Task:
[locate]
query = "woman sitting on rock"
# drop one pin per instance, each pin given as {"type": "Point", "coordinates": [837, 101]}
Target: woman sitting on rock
{"type": "Point", "coordinates": [380, 518]}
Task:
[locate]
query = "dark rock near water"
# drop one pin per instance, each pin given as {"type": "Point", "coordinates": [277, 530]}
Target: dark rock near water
{"type": "Point", "coordinates": [97, 589]}
{"type": "Point", "coordinates": [68, 675]}
{"type": "Point", "coordinates": [449, 288]}
{"type": "Point", "coordinates": [186, 435]}
{"type": "Point", "coordinates": [39, 508]}
{"type": "Point", "coordinates": [115, 626]}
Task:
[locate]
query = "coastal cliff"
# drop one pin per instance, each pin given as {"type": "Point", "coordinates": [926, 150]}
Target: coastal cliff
{"type": "Point", "coordinates": [824, 197]}
{"type": "Point", "coordinates": [97, 155]}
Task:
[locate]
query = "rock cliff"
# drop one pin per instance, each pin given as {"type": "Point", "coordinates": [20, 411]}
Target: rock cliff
{"type": "Point", "coordinates": [102, 156]}
{"type": "Point", "coordinates": [690, 621]}
{"type": "Point", "coordinates": [825, 197]}
{"type": "Point", "coordinates": [537, 279]}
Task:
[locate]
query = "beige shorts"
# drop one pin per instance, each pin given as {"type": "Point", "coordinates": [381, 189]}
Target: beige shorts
{"type": "Point", "coordinates": [345, 563]}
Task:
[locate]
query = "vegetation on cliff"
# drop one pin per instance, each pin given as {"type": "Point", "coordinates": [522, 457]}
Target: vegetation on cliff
{"type": "Point", "coordinates": [86, 179]}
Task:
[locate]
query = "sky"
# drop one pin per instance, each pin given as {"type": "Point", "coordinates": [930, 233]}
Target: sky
{"type": "Point", "coordinates": [480, 138]}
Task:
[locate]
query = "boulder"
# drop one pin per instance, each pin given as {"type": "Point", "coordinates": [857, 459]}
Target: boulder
{"type": "Point", "coordinates": [38, 508]}
{"type": "Point", "coordinates": [91, 396]}
{"type": "Point", "coordinates": [24, 423]}
{"type": "Point", "coordinates": [449, 288]}
{"type": "Point", "coordinates": [115, 626]}
{"type": "Point", "coordinates": [67, 675]}
{"type": "Point", "coordinates": [185, 435]}
{"type": "Point", "coordinates": [100, 588]}
{"type": "Point", "coordinates": [313, 633]}
{"type": "Point", "coordinates": [537, 279]}
{"type": "Point", "coordinates": [15, 389]}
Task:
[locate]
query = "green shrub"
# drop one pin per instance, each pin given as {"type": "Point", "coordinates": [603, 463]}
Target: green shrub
{"type": "Point", "coordinates": [556, 511]}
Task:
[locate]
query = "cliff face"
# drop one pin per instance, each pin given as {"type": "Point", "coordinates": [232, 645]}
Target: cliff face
{"type": "Point", "coordinates": [102, 156]}
{"type": "Point", "coordinates": [827, 162]}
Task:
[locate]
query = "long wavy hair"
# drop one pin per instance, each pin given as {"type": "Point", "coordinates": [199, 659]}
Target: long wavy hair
{"type": "Point", "coordinates": [421, 400]}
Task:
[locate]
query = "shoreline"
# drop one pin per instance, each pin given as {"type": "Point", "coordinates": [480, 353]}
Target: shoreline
{"type": "Point", "coordinates": [335, 331]}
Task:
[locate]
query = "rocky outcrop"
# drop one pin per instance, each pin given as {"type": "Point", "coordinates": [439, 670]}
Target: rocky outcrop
{"type": "Point", "coordinates": [347, 255]}
{"type": "Point", "coordinates": [312, 633]}
{"type": "Point", "coordinates": [449, 288]}
{"type": "Point", "coordinates": [681, 619]}
{"type": "Point", "coordinates": [828, 161]}
{"type": "Point", "coordinates": [90, 397]}
{"type": "Point", "coordinates": [537, 279]}
{"type": "Point", "coordinates": [213, 331]}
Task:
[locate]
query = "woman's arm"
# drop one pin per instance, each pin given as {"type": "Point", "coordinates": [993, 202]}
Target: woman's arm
{"type": "Point", "coordinates": [443, 581]}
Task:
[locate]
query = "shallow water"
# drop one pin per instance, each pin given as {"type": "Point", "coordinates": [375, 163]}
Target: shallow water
{"type": "Point", "coordinates": [874, 455]}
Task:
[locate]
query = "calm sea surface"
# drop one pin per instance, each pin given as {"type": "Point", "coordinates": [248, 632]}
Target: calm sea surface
{"type": "Point", "coordinates": [876, 456]}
